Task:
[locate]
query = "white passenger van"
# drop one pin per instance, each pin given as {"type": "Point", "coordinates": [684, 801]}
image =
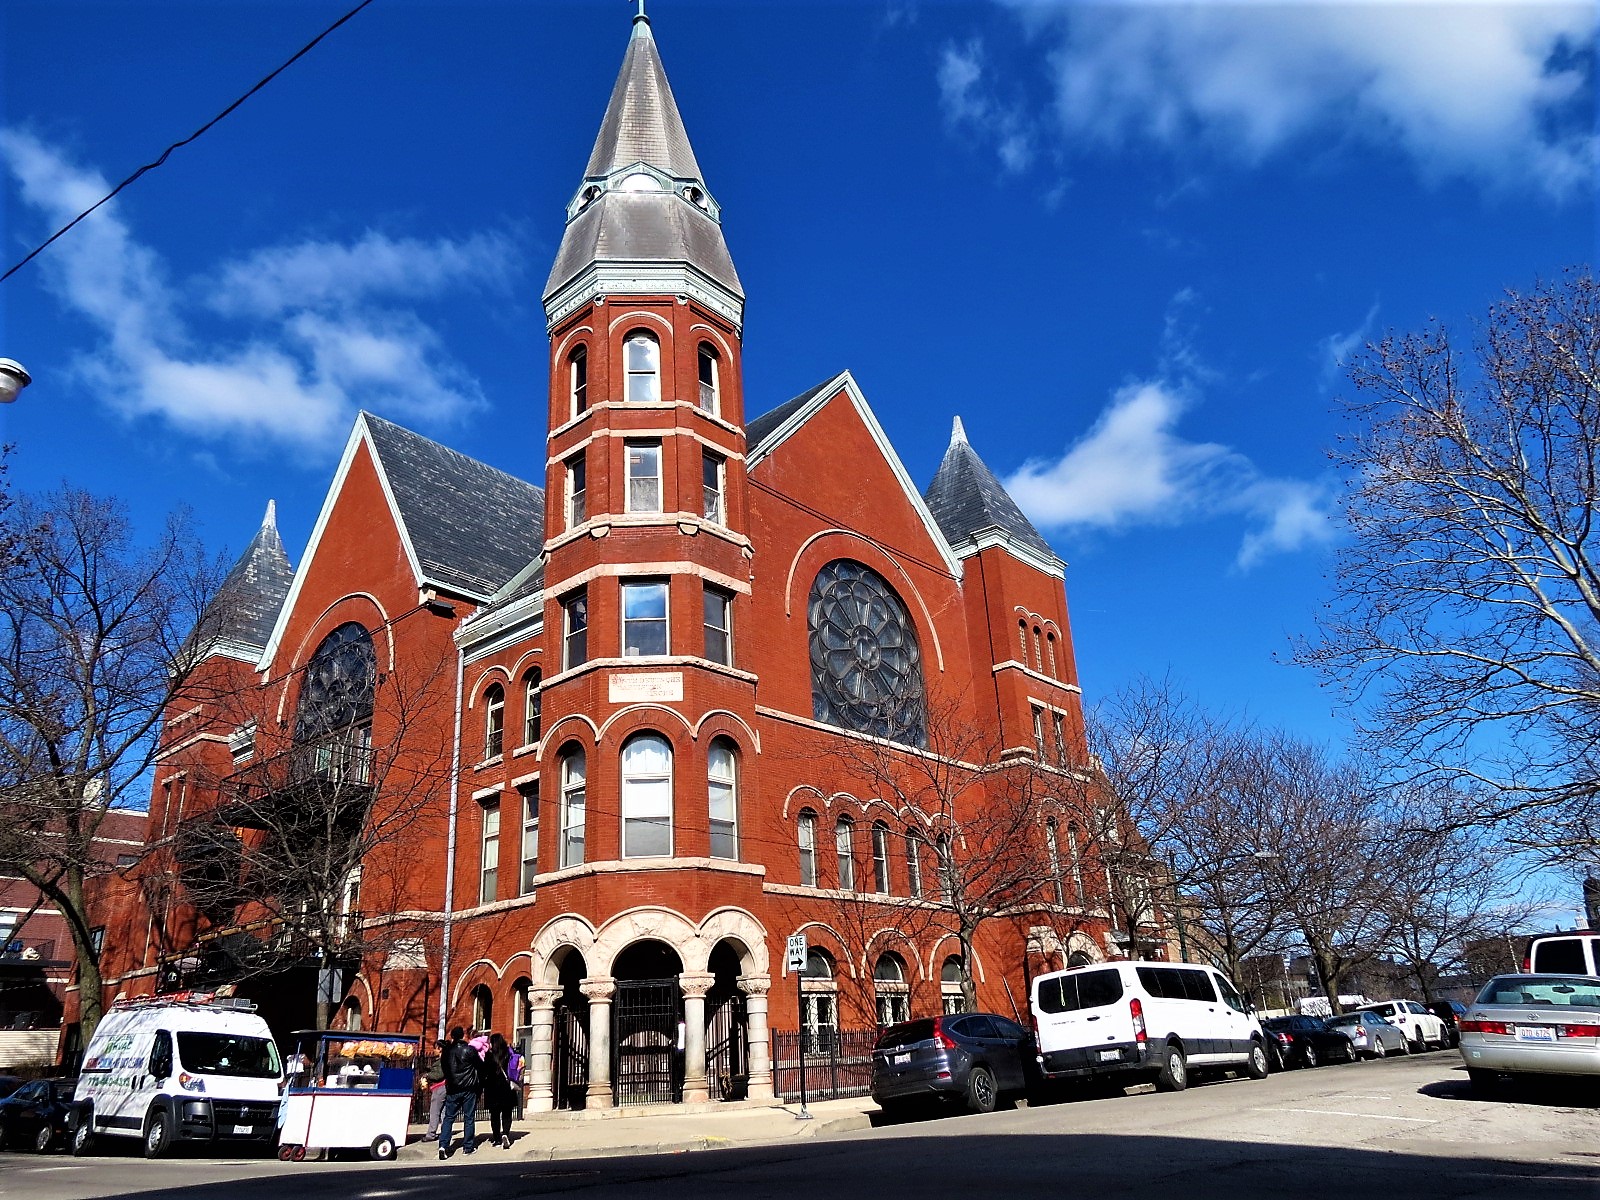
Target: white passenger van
{"type": "Point", "coordinates": [182, 1068]}
{"type": "Point", "coordinates": [1143, 1020]}
{"type": "Point", "coordinates": [1575, 953]}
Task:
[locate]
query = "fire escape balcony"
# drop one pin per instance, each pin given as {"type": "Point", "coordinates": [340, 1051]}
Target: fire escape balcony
{"type": "Point", "coordinates": [326, 783]}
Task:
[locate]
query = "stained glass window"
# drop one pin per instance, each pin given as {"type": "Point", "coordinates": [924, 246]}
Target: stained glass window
{"type": "Point", "coordinates": [866, 665]}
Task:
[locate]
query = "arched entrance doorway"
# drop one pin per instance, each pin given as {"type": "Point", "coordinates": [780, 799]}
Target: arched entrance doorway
{"type": "Point", "coordinates": [727, 1034]}
{"type": "Point", "coordinates": [570, 1049]}
{"type": "Point", "coordinates": [647, 1025]}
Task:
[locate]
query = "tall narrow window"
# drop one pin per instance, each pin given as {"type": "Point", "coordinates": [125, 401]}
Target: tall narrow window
{"type": "Point", "coordinates": [578, 379]}
{"type": "Point", "coordinates": [844, 845]}
{"type": "Point", "coordinates": [532, 707]}
{"type": "Point", "coordinates": [1060, 723]}
{"type": "Point", "coordinates": [574, 798]}
{"type": "Point", "coordinates": [644, 476]}
{"type": "Point", "coordinates": [1076, 855]}
{"type": "Point", "coordinates": [945, 867]}
{"type": "Point", "coordinates": [891, 991]}
{"type": "Point", "coordinates": [644, 619]}
{"type": "Point", "coordinates": [1022, 638]}
{"type": "Point", "coordinates": [641, 355]}
{"type": "Point", "coordinates": [719, 626]}
{"type": "Point", "coordinates": [1038, 731]}
{"type": "Point", "coordinates": [1053, 846]}
{"type": "Point", "coordinates": [575, 630]}
{"type": "Point", "coordinates": [880, 858]}
{"type": "Point", "coordinates": [914, 865]}
{"type": "Point", "coordinates": [1038, 648]}
{"type": "Point", "coordinates": [1050, 651]}
{"type": "Point", "coordinates": [646, 796]}
{"type": "Point", "coordinates": [489, 861]}
{"type": "Point", "coordinates": [712, 471]}
{"type": "Point", "coordinates": [808, 848]}
{"type": "Point", "coordinates": [577, 491]}
{"type": "Point", "coordinates": [722, 787]}
{"type": "Point", "coordinates": [530, 836]}
{"type": "Point", "coordinates": [494, 722]}
{"type": "Point", "coordinates": [709, 400]}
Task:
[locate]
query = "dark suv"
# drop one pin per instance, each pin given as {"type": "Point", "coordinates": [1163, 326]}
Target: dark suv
{"type": "Point", "coordinates": [1450, 1013]}
{"type": "Point", "coordinates": [967, 1058]}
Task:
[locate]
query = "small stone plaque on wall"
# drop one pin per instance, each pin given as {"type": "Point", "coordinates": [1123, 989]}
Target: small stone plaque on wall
{"type": "Point", "coordinates": [646, 685]}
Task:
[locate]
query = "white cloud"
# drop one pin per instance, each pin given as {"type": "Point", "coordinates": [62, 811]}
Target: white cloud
{"type": "Point", "coordinates": [320, 334]}
{"type": "Point", "coordinates": [1500, 92]}
{"type": "Point", "coordinates": [970, 103]}
{"type": "Point", "coordinates": [1335, 349]}
{"type": "Point", "coordinates": [1133, 467]}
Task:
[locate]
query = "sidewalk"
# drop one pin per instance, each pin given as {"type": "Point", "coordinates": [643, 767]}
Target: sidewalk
{"type": "Point", "coordinates": [656, 1129]}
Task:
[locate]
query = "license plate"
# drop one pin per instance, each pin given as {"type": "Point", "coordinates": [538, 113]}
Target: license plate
{"type": "Point", "coordinates": [1110, 1055]}
{"type": "Point", "coordinates": [898, 1059]}
{"type": "Point", "coordinates": [1535, 1033]}
{"type": "Point", "coordinates": [244, 1128]}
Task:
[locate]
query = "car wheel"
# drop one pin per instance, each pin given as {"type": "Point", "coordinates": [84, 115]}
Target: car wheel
{"type": "Point", "coordinates": [1405, 1045]}
{"type": "Point", "coordinates": [44, 1139]}
{"type": "Point", "coordinates": [383, 1148]}
{"type": "Point", "coordinates": [1174, 1073]}
{"type": "Point", "coordinates": [1255, 1066]}
{"type": "Point", "coordinates": [157, 1133]}
{"type": "Point", "coordinates": [982, 1094]}
{"type": "Point", "coordinates": [5, 1137]}
{"type": "Point", "coordinates": [81, 1142]}
{"type": "Point", "coordinates": [1308, 1056]}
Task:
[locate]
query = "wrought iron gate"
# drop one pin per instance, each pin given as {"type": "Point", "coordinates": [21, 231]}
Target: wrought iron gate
{"type": "Point", "coordinates": [648, 1012]}
{"type": "Point", "coordinates": [571, 1055]}
{"type": "Point", "coordinates": [727, 1067]}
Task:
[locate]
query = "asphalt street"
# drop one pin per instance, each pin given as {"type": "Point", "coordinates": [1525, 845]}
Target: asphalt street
{"type": "Point", "coordinates": [1402, 1129]}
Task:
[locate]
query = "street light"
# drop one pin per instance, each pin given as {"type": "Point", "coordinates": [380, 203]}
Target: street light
{"type": "Point", "coordinates": [13, 378]}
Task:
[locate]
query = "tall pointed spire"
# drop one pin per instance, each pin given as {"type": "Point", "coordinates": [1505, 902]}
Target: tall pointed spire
{"type": "Point", "coordinates": [253, 592]}
{"type": "Point", "coordinates": [643, 219]}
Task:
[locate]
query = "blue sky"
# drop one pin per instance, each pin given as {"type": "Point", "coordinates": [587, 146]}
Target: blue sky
{"type": "Point", "coordinates": [1129, 244]}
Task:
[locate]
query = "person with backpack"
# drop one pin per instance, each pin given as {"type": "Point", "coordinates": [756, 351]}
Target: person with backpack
{"type": "Point", "coordinates": [463, 1076]}
{"type": "Point", "coordinates": [499, 1092]}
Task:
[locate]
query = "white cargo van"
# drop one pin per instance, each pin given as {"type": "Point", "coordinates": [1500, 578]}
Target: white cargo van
{"type": "Point", "coordinates": [1144, 1020]}
{"type": "Point", "coordinates": [1575, 953]}
{"type": "Point", "coordinates": [186, 1068]}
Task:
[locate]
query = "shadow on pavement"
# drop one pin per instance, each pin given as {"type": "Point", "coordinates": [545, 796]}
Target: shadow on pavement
{"type": "Point", "coordinates": [1553, 1092]}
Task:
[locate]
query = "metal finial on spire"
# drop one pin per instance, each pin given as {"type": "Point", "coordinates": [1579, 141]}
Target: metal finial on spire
{"type": "Point", "coordinates": [270, 521]}
{"type": "Point", "coordinates": [958, 434]}
{"type": "Point", "coordinates": [640, 15]}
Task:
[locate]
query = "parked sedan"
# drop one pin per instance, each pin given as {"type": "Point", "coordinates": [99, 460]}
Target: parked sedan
{"type": "Point", "coordinates": [966, 1058]}
{"type": "Point", "coordinates": [1372, 1036]}
{"type": "Point", "coordinates": [1532, 1025]}
{"type": "Point", "coordinates": [1306, 1042]}
{"type": "Point", "coordinates": [36, 1114]}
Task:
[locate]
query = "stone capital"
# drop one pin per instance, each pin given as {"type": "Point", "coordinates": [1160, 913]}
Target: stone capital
{"type": "Point", "coordinates": [598, 989]}
{"type": "Point", "coordinates": [696, 984]}
{"type": "Point", "coordinates": [755, 985]}
{"type": "Point", "coordinates": [543, 997]}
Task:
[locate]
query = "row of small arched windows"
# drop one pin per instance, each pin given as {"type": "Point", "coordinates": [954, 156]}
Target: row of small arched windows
{"type": "Point", "coordinates": [1037, 647]}
{"type": "Point", "coordinates": [494, 715]}
{"type": "Point", "coordinates": [641, 374]}
{"type": "Point", "coordinates": [895, 854]}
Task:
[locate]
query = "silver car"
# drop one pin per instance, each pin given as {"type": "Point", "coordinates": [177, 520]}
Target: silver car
{"type": "Point", "coordinates": [1370, 1034]}
{"type": "Point", "coordinates": [1532, 1025]}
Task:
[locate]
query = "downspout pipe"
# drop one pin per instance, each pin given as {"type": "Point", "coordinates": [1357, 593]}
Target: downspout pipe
{"type": "Point", "coordinates": [450, 846]}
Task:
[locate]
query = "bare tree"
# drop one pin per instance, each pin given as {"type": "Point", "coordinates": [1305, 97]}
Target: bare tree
{"type": "Point", "coordinates": [97, 635]}
{"type": "Point", "coordinates": [1468, 605]}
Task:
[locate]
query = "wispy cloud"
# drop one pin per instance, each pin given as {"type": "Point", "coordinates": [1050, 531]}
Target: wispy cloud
{"type": "Point", "coordinates": [971, 103]}
{"type": "Point", "coordinates": [1498, 92]}
{"type": "Point", "coordinates": [1135, 467]}
{"type": "Point", "coordinates": [322, 327]}
{"type": "Point", "coordinates": [1334, 351]}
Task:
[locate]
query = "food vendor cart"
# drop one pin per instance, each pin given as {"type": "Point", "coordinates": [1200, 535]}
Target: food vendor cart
{"type": "Point", "coordinates": [347, 1091]}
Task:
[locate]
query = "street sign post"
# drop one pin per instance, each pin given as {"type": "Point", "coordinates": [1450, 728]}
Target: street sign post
{"type": "Point", "coordinates": [794, 959]}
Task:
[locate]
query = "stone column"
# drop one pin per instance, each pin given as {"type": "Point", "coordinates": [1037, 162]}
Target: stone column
{"type": "Point", "coordinates": [599, 990]}
{"type": "Point", "coordinates": [541, 1065]}
{"type": "Point", "coordinates": [755, 1010]}
{"type": "Point", "coordinates": [695, 986]}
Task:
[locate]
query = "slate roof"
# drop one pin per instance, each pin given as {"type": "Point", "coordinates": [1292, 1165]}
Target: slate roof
{"type": "Point", "coordinates": [255, 587]}
{"type": "Point", "coordinates": [642, 122]}
{"type": "Point", "coordinates": [472, 526]}
{"type": "Point", "coordinates": [966, 499]}
{"type": "Point", "coordinates": [761, 428]}
{"type": "Point", "coordinates": [652, 227]}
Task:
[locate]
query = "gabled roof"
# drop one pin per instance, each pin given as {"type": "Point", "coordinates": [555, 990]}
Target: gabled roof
{"type": "Point", "coordinates": [974, 508]}
{"type": "Point", "coordinates": [768, 423]}
{"type": "Point", "coordinates": [253, 593]}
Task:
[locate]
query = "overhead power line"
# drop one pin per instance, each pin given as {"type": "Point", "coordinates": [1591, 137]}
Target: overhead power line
{"type": "Point", "coordinates": [167, 153]}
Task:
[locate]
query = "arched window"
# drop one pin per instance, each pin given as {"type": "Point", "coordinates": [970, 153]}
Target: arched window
{"type": "Point", "coordinates": [1038, 648]}
{"type": "Point", "coordinates": [1053, 846]}
{"type": "Point", "coordinates": [880, 858]}
{"type": "Point", "coordinates": [532, 701]}
{"type": "Point", "coordinates": [494, 722]}
{"type": "Point", "coordinates": [1075, 860]}
{"type": "Point", "coordinates": [522, 1016]}
{"type": "Point", "coordinates": [334, 719]}
{"type": "Point", "coordinates": [950, 993]}
{"type": "Point", "coordinates": [914, 865]}
{"type": "Point", "coordinates": [646, 796]}
{"type": "Point", "coordinates": [819, 1002]}
{"type": "Point", "coordinates": [1022, 639]}
{"type": "Point", "coordinates": [722, 797]}
{"type": "Point", "coordinates": [574, 796]}
{"type": "Point", "coordinates": [578, 380]}
{"type": "Point", "coordinates": [808, 848]}
{"type": "Point", "coordinates": [844, 836]}
{"type": "Point", "coordinates": [352, 1015]}
{"type": "Point", "coordinates": [1050, 650]}
{"type": "Point", "coordinates": [641, 361]}
{"type": "Point", "coordinates": [482, 1008]}
{"type": "Point", "coordinates": [710, 400]}
{"type": "Point", "coordinates": [866, 664]}
{"type": "Point", "coordinates": [945, 867]}
{"type": "Point", "coordinates": [890, 989]}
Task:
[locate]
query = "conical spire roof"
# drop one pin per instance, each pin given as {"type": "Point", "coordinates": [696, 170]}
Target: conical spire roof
{"type": "Point", "coordinates": [971, 505]}
{"type": "Point", "coordinates": [643, 219]}
{"type": "Point", "coordinates": [255, 588]}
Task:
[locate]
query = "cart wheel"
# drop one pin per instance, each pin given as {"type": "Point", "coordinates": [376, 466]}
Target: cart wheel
{"type": "Point", "coordinates": [297, 1154]}
{"type": "Point", "coordinates": [284, 1152]}
{"type": "Point", "coordinates": [383, 1148]}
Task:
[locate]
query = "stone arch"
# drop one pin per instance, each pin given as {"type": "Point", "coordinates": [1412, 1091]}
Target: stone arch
{"type": "Point", "coordinates": [944, 948]}
{"type": "Point", "coordinates": [804, 795]}
{"type": "Point", "coordinates": [636, 315]}
{"type": "Point", "coordinates": [642, 716]}
{"type": "Point", "coordinates": [702, 327]}
{"type": "Point", "coordinates": [561, 349]}
{"type": "Point", "coordinates": [888, 937]}
{"type": "Point", "coordinates": [740, 927]}
{"type": "Point", "coordinates": [1082, 943]}
{"type": "Point", "coordinates": [839, 950]}
{"type": "Point", "coordinates": [648, 924]}
{"type": "Point", "coordinates": [471, 974]}
{"type": "Point", "coordinates": [753, 739]}
{"type": "Point", "coordinates": [557, 734]}
{"type": "Point", "coordinates": [476, 689]}
{"type": "Point", "coordinates": [566, 932]}
{"type": "Point", "coordinates": [926, 627]}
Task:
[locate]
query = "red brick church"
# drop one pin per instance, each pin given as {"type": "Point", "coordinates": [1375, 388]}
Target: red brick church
{"type": "Point", "coordinates": [613, 729]}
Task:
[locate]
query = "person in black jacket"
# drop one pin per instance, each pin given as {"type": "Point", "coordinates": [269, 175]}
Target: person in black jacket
{"type": "Point", "coordinates": [463, 1076]}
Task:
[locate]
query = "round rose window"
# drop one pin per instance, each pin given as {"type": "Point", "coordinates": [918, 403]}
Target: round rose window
{"type": "Point", "coordinates": [866, 666]}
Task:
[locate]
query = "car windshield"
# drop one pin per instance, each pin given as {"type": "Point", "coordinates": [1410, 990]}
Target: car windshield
{"type": "Point", "coordinates": [1571, 991]}
{"type": "Point", "coordinates": [228, 1054]}
{"type": "Point", "coordinates": [908, 1034]}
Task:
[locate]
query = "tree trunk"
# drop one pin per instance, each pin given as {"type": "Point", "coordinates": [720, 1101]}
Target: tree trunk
{"type": "Point", "coordinates": [969, 988]}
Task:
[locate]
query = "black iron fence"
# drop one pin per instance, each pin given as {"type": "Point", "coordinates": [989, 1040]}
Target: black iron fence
{"type": "Point", "coordinates": [839, 1064]}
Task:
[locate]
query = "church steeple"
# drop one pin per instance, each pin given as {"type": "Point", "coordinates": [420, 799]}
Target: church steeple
{"type": "Point", "coordinates": [643, 219]}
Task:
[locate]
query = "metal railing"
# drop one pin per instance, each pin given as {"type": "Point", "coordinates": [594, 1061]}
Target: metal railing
{"type": "Point", "coordinates": [837, 1064]}
{"type": "Point", "coordinates": [28, 950]}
